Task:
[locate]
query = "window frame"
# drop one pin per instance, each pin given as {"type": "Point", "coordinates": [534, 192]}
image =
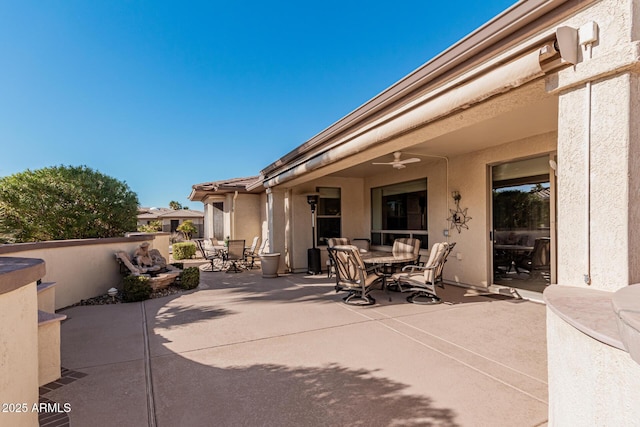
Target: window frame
{"type": "Point", "coordinates": [321, 240]}
{"type": "Point", "coordinates": [377, 235]}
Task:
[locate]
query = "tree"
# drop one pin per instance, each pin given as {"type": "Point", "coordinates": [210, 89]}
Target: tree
{"type": "Point", "coordinates": [65, 202]}
{"type": "Point", "coordinates": [187, 228]}
{"type": "Point", "coordinates": [175, 205]}
{"type": "Point", "coordinates": [152, 227]}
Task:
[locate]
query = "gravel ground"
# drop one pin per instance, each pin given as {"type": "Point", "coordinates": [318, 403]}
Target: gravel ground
{"type": "Point", "coordinates": [118, 299]}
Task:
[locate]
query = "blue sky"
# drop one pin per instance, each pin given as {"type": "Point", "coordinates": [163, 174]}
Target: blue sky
{"type": "Point", "coordinates": [164, 95]}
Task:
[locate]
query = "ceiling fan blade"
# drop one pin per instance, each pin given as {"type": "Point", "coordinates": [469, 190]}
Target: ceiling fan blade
{"type": "Point", "coordinates": [412, 160]}
{"type": "Point", "coordinates": [377, 163]}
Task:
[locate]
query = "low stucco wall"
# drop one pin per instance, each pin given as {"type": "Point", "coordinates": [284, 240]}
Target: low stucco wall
{"type": "Point", "coordinates": [84, 268]}
{"type": "Point", "coordinates": [593, 379]}
{"type": "Point", "coordinates": [590, 383]}
{"type": "Point", "coordinates": [19, 340]}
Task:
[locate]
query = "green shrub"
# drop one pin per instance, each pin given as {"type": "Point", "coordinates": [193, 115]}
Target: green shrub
{"type": "Point", "coordinates": [184, 250]}
{"type": "Point", "coordinates": [190, 278]}
{"type": "Point", "coordinates": [187, 229]}
{"type": "Point", "coordinates": [136, 288]}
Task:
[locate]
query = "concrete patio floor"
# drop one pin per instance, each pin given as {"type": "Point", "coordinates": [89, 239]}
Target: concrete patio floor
{"type": "Point", "coordinates": [241, 350]}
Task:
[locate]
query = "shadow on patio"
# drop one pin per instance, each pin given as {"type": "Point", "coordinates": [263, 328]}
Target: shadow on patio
{"type": "Point", "coordinates": [277, 395]}
{"type": "Point", "coordinates": [231, 353]}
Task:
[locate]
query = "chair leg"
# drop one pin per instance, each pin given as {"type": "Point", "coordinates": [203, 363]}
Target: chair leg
{"type": "Point", "coordinates": [424, 298]}
{"type": "Point", "coordinates": [234, 267]}
{"type": "Point", "coordinates": [357, 298]}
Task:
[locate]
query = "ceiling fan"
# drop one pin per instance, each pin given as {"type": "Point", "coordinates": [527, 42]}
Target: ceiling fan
{"type": "Point", "coordinates": [397, 163]}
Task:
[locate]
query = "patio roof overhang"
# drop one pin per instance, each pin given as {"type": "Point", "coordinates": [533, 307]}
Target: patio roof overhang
{"type": "Point", "coordinates": [242, 185]}
{"type": "Point", "coordinates": [509, 54]}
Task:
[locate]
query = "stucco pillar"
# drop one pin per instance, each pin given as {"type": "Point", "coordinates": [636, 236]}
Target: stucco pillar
{"type": "Point", "coordinates": [592, 382]}
{"type": "Point", "coordinates": [277, 214]}
{"type": "Point", "coordinates": [598, 191]}
{"type": "Point", "coordinates": [208, 220]}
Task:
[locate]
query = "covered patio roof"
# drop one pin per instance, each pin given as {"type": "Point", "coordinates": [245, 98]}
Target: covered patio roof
{"type": "Point", "coordinates": [436, 104]}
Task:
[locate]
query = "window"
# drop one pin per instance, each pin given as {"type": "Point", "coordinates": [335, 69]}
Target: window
{"type": "Point", "coordinates": [399, 210]}
{"type": "Point", "coordinates": [328, 220]}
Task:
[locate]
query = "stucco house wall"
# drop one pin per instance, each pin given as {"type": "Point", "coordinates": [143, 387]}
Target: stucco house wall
{"type": "Point", "coordinates": [247, 218]}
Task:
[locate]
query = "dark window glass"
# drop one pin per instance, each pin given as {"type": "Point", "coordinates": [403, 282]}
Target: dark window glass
{"type": "Point", "coordinates": [401, 207]}
{"type": "Point", "coordinates": [328, 219]}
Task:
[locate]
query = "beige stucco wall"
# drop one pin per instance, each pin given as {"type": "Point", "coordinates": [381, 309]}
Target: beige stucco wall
{"type": "Point", "coordinates": [84, 270]}
{"type": "Point", "coordinates": [590, 383]}
{"type": "Point", "coordinates": [279, 226]}
{"type": "Point", "coordinates": [19, 354]}
{"type": "Point", "coordinates": [613, 187]}
{"type": "Point", "coordinates": [246, 218]}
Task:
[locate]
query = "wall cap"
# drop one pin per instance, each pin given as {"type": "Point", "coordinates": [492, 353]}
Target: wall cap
{"type": "Point", "coordinates": [51, 244]}
{"type": "Point", "coordinates": [18, 272]}
{"type": "Point", "coordinates": [626, 305]}
{"type": "Point", "coordinates": [587, 310]}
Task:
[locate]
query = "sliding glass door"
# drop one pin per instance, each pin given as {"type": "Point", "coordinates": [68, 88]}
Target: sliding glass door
{"type": "Point", "coordinates": [522, 213]}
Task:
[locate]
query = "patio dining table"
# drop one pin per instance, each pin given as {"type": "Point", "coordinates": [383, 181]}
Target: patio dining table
{"type": "Point", "coordinates": [385, 263]}
{"type": "Point", "coordinates": [512, 253]}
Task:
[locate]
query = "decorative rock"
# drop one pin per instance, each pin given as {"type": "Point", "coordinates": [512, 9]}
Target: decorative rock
{"type": "Point", "coordinates": [117, 299]}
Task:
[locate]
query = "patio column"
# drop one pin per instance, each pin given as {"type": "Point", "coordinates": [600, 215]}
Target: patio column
{"type": "Point", "coordinates": [277, 214]}
{"type": "Point", "coordinates": [591, 376]}
{"type": "Point", "coordinates": [598, 183]}
{"type": "Point", "coordinates": [208, 220]}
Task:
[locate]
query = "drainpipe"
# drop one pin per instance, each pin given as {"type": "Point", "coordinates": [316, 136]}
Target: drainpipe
{"type": "Point", "coordinates": [587, 35]}
{"type": "Point", "coordinates": [587, 276]}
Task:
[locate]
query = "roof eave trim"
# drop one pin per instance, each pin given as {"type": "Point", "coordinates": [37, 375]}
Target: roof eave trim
{"type": "Point", "coordinates": [508, 22]}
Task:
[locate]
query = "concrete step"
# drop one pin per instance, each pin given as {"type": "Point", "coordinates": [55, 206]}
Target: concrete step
{"type": "Point", "coordinates": [47, 297]}
{"type": "Point", "coordinates": [48, 346]}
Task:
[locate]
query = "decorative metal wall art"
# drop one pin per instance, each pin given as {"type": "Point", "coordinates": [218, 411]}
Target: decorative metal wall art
{"type": "Point", "coordinates": [459, 217]}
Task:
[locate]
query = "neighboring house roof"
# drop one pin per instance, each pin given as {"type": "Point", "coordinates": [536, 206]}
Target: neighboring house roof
{"type": "Point", "coordinates": [149, 214]}
{"type": "Point", "coordinates": [241, 185]}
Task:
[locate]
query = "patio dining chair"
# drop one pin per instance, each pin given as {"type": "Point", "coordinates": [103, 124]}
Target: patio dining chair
{"type": "Point", "coordinates": [235, 256]}
{"type": "Point", "coordinates": [251, 253]}
{"type": "Point", "coordinates": [352, 275]}
{"type": "Point", "coordinates": [215, 257]}
{"type": "Point", "coordinates": [407, 245]}
{"type": "Point", "coordinates": [331, 242]}
{"type": "Point", "coordinates": [420, 280]}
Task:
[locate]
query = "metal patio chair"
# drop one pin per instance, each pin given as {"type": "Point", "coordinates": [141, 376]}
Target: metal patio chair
{"type": "Point", "coordinates": [352, 275]}
{"type": "Point", "coordinates": [331, 242]}
{"type": "Point", "coordinates": [215, 257]}
{"type": "Point", "coordinates": [251, 253]}
{"type": "Point", "coordinates": [235, 256]}
{"type": "Point", "coordinates": [420, 280]}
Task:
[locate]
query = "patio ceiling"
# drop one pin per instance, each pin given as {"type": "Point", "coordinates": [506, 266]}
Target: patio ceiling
{"type": "Point", "coordinates": [534, 118]}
